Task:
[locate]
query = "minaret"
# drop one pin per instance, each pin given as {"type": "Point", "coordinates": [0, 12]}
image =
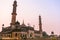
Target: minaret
{"type": "Point", "coordinates": [23, 23]}
{"type": "Point", "coordinates": [14, 13]}
{"type": "Point", "coordinates": [40, 26]}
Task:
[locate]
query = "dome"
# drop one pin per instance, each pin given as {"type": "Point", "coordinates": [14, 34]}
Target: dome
{"type": "Point", "coordinates": [17, 22]}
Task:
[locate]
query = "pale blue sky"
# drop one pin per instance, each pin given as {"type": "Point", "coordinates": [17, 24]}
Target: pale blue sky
{"type": "Point", "coordinates": [29, 10]}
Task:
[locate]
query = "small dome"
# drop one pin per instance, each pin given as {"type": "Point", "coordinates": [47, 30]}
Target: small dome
{"type": "Point", "coordinates": [17, 22]}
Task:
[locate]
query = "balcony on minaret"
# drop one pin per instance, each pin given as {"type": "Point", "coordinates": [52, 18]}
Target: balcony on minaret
{"type": "Point", "coordinates": [14, 6]}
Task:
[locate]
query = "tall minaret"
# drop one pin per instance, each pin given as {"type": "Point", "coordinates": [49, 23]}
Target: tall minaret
{"type": "Point", "coordinates": [40, 26]}
{"type": "Point", "coordinates": [14, 13]}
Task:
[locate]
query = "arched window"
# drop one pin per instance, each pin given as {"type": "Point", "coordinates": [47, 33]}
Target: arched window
{"type": "Point", "coordinates": [15, 34]}
{"type": "Point", "coordinates": [23, 36]}
{"type": "Point", "coordinates": [31, 34]}
{"type": "Point", "coordinates": [8, 35]}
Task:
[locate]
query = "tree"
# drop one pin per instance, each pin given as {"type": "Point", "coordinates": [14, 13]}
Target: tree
{"type": "Point", "coordinates": [45, 34]}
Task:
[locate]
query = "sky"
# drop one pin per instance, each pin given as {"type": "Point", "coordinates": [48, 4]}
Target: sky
{"type": "Point", "coordinates": [29, 11]}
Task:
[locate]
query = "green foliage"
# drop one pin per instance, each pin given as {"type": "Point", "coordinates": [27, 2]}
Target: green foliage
{"type": "Point", "coordinates": [45, 34]}
{"type": "Point", "coordinates": [53, 38]}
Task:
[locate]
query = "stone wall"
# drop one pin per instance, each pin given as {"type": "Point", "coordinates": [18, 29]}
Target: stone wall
{"type": "Point", "coordinates": [9, 39]}
{"type": "Point", "coordinates": [30, 39]}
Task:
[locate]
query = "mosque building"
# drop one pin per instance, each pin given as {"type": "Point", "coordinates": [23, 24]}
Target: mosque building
{"type": "Point", "coordinates": [17, 30]}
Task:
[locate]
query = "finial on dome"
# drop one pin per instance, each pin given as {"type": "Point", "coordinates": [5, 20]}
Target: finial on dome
{"type": "Point", "coordinates": [15, 0]}
{"type": "Point", "coordinates": [2, 24]}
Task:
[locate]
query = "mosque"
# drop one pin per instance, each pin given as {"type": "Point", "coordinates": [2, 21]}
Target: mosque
{"type": "Point", "coordinates": [17, 30]}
